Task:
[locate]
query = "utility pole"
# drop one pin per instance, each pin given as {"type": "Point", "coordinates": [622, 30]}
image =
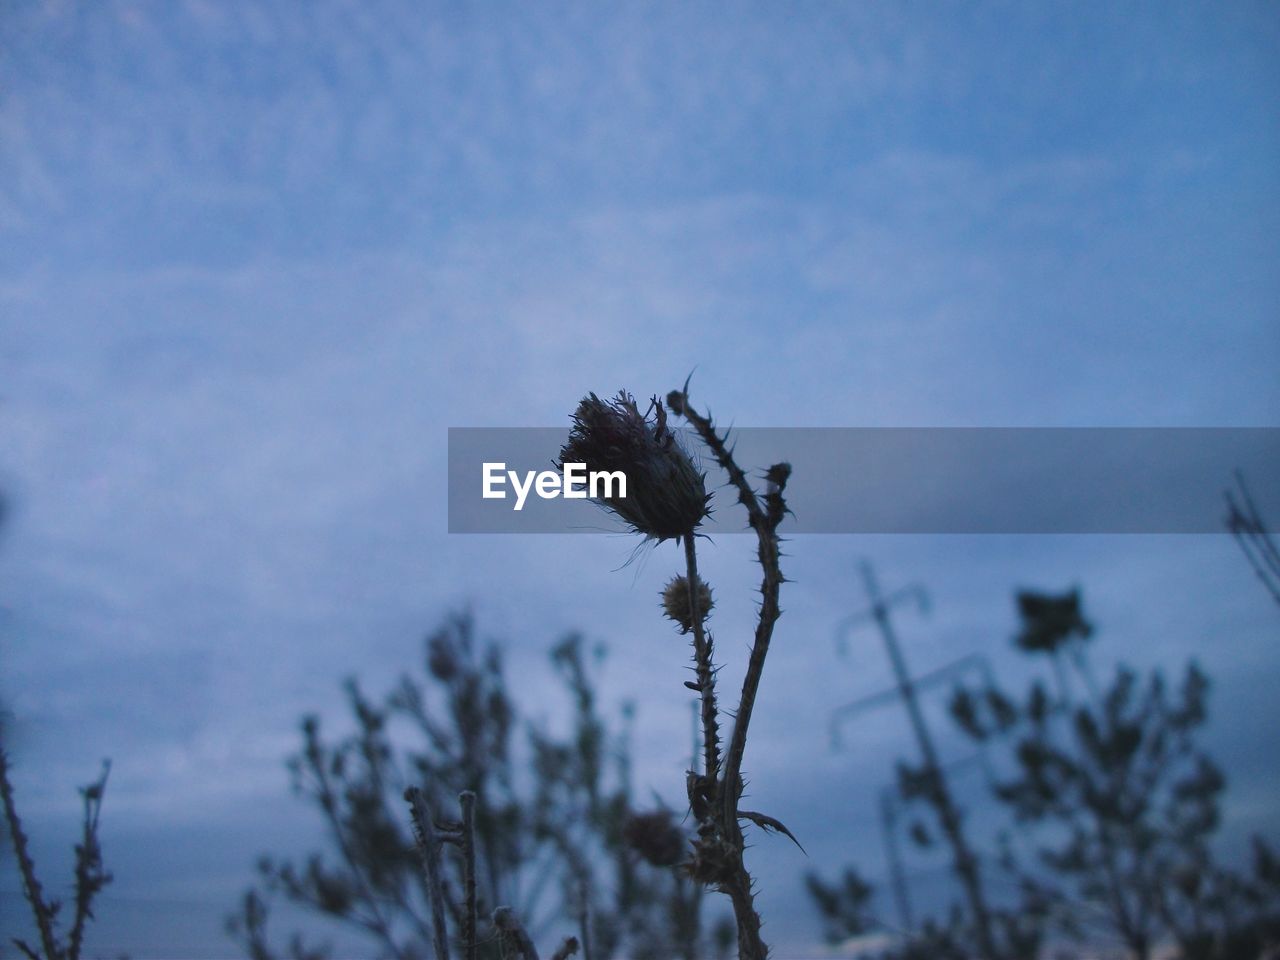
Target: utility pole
{"type": "Point", "coordinates": [939, 795]}
{"type": "Point", "coordinates": [889, 828]}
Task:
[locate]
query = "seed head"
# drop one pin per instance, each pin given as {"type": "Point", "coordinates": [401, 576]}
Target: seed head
{"type": "Point", "coordinates": [666, 494]}
{"type": "Point", "coordinates": [656, 837]}
{"type": "Point", "coordinates": [1049, 621]}
{"type": "Point", "coordinates": [675, 602]}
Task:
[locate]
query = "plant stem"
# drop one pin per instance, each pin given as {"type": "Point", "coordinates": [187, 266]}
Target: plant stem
{"type": "Point", "coordinates": [764, 519]}
{"type": "Point", "coordinates": [750, 945]}
{"type": "Point", "coordinates": [30, 885]}
{"type": "Point", "coordinates": [90, 875]}
{"type": "Point", "coordinates": [769, 613]}
{"type": "Point", "coordinates": [429, 850]}
{"type": "Point", "coordinates": [467, 800]}
{"type": "Point", "coordinates": [703, 665]}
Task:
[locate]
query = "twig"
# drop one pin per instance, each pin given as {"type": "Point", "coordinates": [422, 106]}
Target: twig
{"type": "Point", "coordinates": [467, 800]}
{"type": "Point", "coordinates": [377, 924]}
{"type": "Point", "coordinates": [41, 911]}
{"type": "Point", "coordinates": [766, 528]}
{"type": "Point", "coordinates": [90, 875]}
{"type": "Point", "coordinates": [429, 850]}
{"type": "Point", "coordinates": [567, 949]}
{"type": "Point", "coordinates": [678, 401]}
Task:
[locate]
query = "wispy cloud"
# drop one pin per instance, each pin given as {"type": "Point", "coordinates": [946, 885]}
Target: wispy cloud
{"type": "Point", "coordinates": [253, 264]}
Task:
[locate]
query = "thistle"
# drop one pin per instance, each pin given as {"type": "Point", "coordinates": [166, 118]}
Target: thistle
{"type": "Point", "coordinates": [667, 500]}
{"type": "Point", "coordinates": [676, 605]}
{"type": "Point", "coordinates": [666, 497]}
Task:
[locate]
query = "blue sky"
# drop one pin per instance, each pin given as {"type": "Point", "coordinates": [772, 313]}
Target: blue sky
{"type": "Point", "coordinates": [254, 261]}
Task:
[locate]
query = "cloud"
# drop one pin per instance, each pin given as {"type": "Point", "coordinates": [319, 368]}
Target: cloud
{"type": "Point", "coordinates": [256, 264]}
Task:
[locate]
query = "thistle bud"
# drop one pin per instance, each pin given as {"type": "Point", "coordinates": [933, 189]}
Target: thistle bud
{"type": "Point", "coordinates": [675, 602]}
{"type": "Point", "coordinates": [666, 494]}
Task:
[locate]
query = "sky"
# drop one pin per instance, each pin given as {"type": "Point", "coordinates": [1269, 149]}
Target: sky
{"type": "Point", "coordinates": [256, 259]}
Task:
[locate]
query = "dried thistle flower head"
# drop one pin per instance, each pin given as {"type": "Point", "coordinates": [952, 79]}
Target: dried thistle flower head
{"type": "Point", "coordinates": [666, 494]}
{"type": "Point", "coordinates": [675, 602]}
{"type": "Point", "coordinates": [656, 837]}
{"type": "Point", "coordinates": [1049, 620]}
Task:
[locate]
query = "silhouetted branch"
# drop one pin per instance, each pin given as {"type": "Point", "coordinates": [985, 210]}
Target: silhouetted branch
{"type": "Point", "coordinates": [90, 876]}
{"type": "Point", "coordinates": [42, 912]}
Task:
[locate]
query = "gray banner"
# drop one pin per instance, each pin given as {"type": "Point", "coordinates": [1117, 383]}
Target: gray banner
{"type": "Point", "coordinates": [908, 480]}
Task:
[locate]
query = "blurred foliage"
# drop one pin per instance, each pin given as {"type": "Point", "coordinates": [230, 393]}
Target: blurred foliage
{"type": "Point", "coordinates": [1115, 806]}
{"type": "Point", "coordinates": [844, 906]}
{"type": "Point", "coordinates": [555, 818]}
{"type": "Point", "coordinates": [1124, 799]}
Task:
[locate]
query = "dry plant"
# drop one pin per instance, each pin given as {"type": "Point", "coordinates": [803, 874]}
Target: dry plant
{"type": "Point", "coordinates": [431, 836]}
{"type": "Point", "coordinates": [1127, 800]}
{"type": "Point", "coordinates": [547, 826]}
{"type": "Point", "coordinates": [90, 874]}
{"type": "Point", "coordinates": [667, 500]}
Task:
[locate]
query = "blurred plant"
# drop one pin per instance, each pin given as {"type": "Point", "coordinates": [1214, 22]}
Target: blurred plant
{"type": "Point", "coordinates": [527, 831]}
{"type": "Point", "coordinates": [844, 906]}
{"type": "Point", "coordinates": [90, 873]}
{"type": "Point", "coordinates": [976, 926]}
{"type": "Point", "coordinates": [1118, 781]}
{"type": "Point", "coordinates": [1123, 804]}
{"type": "Point", "coordinates": [667, 500]}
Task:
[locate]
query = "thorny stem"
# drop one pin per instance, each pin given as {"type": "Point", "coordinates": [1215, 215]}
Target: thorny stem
{"type": "Point", "coordinates": [705, 670]}
{"type": "Point", "coordinates": [769, 613]}
{"type": "Point", "coordinates": [764, 518]}
{"type": "Point", "coordinates": [678, 400]}
{"type": "Point", "coordinates": [30, 884]}
{"type": "Point", "coordinates": [750, 946]}
{"type": "Point", "coordinates": [429, 850]}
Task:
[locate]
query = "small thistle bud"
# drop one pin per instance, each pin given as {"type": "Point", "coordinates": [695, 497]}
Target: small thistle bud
{"type": "Point", "coordinates": [666, 494]}
{"type": "Point", "coordinates": [656, 837]}
{"type": "Point", "coordinates": [675, 602]}
{"type": "Point", "coordinates": [778, 474]}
